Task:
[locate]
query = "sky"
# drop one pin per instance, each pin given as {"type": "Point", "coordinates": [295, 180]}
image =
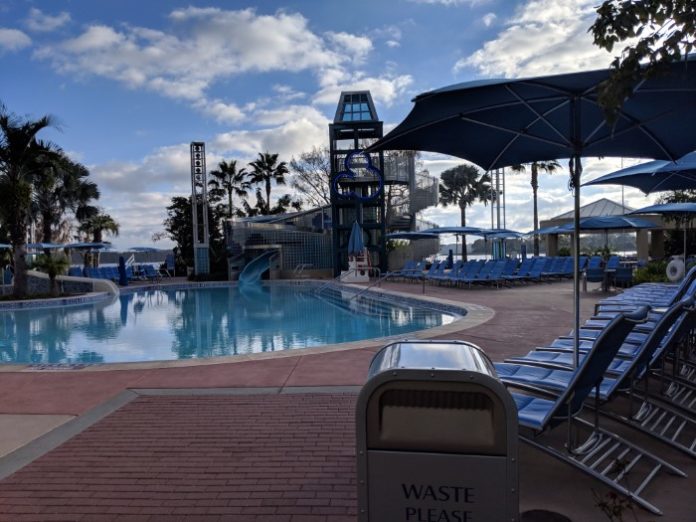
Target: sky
{"type": "Point", "coordinates": [131, 84]}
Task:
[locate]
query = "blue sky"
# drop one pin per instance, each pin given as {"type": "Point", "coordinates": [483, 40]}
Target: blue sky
{"type": "Point", "coordinates": [132, 83]}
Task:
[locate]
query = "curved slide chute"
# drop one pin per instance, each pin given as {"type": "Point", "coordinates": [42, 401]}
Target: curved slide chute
{"type": "Point", "coordinates": [254, 270]}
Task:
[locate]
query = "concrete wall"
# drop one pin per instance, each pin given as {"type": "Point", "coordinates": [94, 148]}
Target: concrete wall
{"type": "Point", "coordinates": [39, 283]}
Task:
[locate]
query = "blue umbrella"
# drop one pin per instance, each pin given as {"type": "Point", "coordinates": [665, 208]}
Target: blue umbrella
{"type": "Point", "coordinates": [411, 235]}
{"type": "Point", "coordinates": [500, 233]}
{"type": "Point", "coordinates": [356, 245]}
{"type": "Point", "coordinates": [547, 230]}
{"type": "Point", "coordinates": [457, 231]}
{"type": "Point", "coordinates": [684, 211]}
{"type": "Point", "coordinates": [498, 123]}
{"type": "Point", "coordinates": [45, 246]}
{"type": "Point", "coordinates": [142, 249]}
{"type": "Point", "coordinates": [453, 230]}
{"type": "Point", "coordinates": [608, 223]}
{"type": "Point", "coordinates": [655, 176]}
{"type": "Point", "coordinates": [95, 246]}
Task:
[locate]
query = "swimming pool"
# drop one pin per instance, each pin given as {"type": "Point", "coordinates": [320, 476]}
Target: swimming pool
{"type": "Point", "coordinates": [184, 323]}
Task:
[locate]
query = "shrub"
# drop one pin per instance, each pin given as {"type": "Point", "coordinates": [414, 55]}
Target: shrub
{"type": "Point", "coordinates": [654, 272]}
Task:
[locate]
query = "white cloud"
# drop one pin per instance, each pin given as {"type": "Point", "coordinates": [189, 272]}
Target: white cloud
{"type": "Point", "coordinates": [488, 19]}
{"type": "Point", "coordinates": [43, 23]}
{"type": "Point", "coordinates": [13, 40]}
{"type": "Point", "coordinates": [451, 2]}
{"type": "Point", "coordinates": [296, 135]}
{"type": "Point", "coordinates": [356, 46]}
{"type": "Point", "coordinates": [287, 93]}
{"type": "Point", "coordinates": [221, 111]}
{"type": "Point", "coordinates": [203, 46]}
{"type": "Point", "coordinates": [384, 89]}
{"type": "Point", "coordinates": [544, 37]}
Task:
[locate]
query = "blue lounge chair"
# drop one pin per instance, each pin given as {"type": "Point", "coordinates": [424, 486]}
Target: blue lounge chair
{"type": "Point", "coordinates": [75, 271]}
{"type": "Point", "coordinates": [653, 417]}
{"type": "Point", "coordinates": [603, 454]}
{"type": "Point", "coordinates": [416, 273]}
{"type": "Point", "coordinates": [150, 273]}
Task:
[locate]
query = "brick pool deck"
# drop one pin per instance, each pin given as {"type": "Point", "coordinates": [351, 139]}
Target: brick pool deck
{"type": "Point", "coordinates": [268, 439]}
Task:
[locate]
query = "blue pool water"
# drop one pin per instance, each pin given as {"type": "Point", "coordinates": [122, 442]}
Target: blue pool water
{"type": "Point", "coordinates": [166, 324]}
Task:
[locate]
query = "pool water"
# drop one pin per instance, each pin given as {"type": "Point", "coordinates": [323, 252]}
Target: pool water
{"type": "Point", "coordinates": [170, 324]}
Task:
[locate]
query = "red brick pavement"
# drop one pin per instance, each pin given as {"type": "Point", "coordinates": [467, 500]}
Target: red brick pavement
{"type": "Point", "coordinates": [243, 458]}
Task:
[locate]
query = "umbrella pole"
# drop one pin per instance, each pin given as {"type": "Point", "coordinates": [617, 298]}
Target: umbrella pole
{"type": "Point", "coordinates": [575, 171]}
{"type": "Point", "coordinates": [684, 248]}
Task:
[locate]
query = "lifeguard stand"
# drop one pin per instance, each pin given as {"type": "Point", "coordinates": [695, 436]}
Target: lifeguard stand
{"type": "Point", "coordinates": [357, 180]}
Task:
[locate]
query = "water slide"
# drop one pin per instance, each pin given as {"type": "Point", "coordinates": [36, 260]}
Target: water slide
{"type": "Point", "coordinates": [253, 270]}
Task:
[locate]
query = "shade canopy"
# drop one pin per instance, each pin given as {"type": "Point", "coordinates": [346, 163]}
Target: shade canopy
{"type": "Point", "coordinates": [45, 246]}
{"type": "Point", "coordinates": [684, 211]}
{"type": "Point", "coordinates": [655, 176]}
{"type": "Point", "coordinates": [94, 246]}
{"type": "Point", "coordinates": [498, 123]}
{"type": "Point", "coordinates": [610, 223]}
{"type": "Point", "coordinates": [547, 230]}
{"type": "Point", "coordinates": [500, 233]}
{"type": "Point", "coordinates": [142, 249]}
{"type": "Point", "coordinates": [454, 230]}
{"type": "Point", "coordinates": [604, 223]}
{"type": "Point", "coordinates": [356, 245]}
{"type": "Point", "coordinates": [674, 209]}
{"type": "Point", "coordinates": [411, 235]}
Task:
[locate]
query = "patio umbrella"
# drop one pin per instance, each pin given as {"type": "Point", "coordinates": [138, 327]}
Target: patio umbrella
{"type": "Point", "coordinates": [95, 246]}
{"type": "Point", "coordinates": [498, 123]}
{"type": "Point", "coordinates": [684, 211]}
{"type": "Point", "coordinates": [411, 235]}
{"type": "Point", "coordinates": [356, 245]}
{"type": "Point", "coordinates": [45, 246]}
{"type": "Point", "coordinates": [607, 223]}
{"type": "Point", "coordinates": [142, 249]}
{"type": "Point", "coordinates": [457, 231]}
{"type": "Point", "coordinates": [654, 176]}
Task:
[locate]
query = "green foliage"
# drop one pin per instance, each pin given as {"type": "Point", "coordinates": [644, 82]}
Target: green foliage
{"type": "Point", "coordinates": [564, 251]}
{"type": "Point", "coordinates": [226, 181]}
{"type": "Point", "coordinates": [53, 266]}
{"type": "Point", "coordinates": [661, 31]}
{"type": "Point", "coordinates": [179, 228]}
{"type": "Point", "coordinates": [654, 272]}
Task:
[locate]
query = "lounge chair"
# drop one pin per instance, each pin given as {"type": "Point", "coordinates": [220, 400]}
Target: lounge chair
{"type": "Point", "coordinates": [75, 271]}
{"type": "Point", "coordinates": [604, 455]}
{"type": "Point", "coordinates": [655, 418]}
{"type": "Point", "coordinates": [150, 273]}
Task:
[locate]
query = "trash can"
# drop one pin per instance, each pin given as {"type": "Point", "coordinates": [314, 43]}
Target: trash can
{"type": "Point", "coordinates": [436, 437]}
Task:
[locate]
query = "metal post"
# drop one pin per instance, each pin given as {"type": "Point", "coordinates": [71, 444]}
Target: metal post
{"type": "Point", "coordinates": [576, 170]}
{"type": "Point", "coordinates": [199, 199]}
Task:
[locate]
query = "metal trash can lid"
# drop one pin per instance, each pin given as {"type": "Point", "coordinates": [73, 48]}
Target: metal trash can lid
{"type": "Point", "coordinates": [431, 355]}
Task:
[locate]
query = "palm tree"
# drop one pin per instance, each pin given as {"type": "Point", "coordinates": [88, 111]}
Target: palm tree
{"type": "Point", "coordinates": [96, 226]}
{"type": "Point", "coordinates": [265, 170]}
{"type": "Point", "coordinates": [228, 181]}
{"type": "Point", "coordinates": [463, 185]}
{"type": "Point", "coordinates": [536, 167]}
{"type": "Point", "coordinates": [20, 154]}
{"type": "Point", "coordinates": [61, 186]}
{"type": "Point", "coordinates": [53, 266]}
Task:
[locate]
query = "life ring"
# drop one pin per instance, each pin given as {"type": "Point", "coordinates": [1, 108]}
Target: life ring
{"type": "Point", "coordinates": [675, 270]}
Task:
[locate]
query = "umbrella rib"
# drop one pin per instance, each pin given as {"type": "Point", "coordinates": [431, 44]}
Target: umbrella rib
{"type": "Point", "coordinates": [539, 115]}
{"type": "Point", "coordinates": [511, 131]}
{"type": "Point", "coordinates": [634, 124]}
